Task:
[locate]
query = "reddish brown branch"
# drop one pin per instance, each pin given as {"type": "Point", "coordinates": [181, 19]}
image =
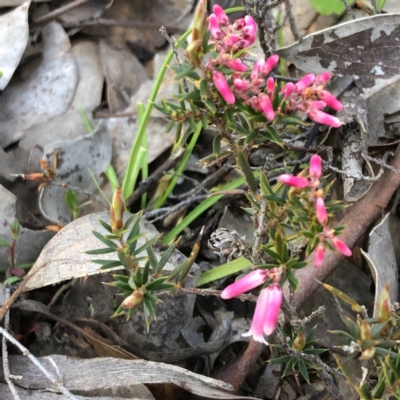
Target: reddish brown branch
{"type": "Point", "coordinates": [357, 220]}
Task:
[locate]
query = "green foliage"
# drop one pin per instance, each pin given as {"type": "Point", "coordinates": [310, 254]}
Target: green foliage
{"type": "Point", "coordinates": [327, 7]}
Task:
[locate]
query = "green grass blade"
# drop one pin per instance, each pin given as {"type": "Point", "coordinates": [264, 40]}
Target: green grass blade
{"type": "Point", "coordinates": [224, 270]}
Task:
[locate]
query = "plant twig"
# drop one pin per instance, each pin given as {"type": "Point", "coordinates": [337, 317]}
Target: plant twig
{"type": "Point", "coordinates": [59, 11]}
{"type": "Point", "coordinates": [259, 222]}
{"type": "Point", "coordinates": [349, 9]}
{"type": "Point", "coordinates": [292, 22]}
{"type": "Point", "coordinates": [35, 361]}
{"type": "Point", "coordinates": [171, 41]}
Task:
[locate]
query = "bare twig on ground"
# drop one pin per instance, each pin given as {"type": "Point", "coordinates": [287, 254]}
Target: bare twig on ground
{"type": "Point", "coordinates": [145, 185]}
{"type": "Point", "coordinates": [349, 9]}
{"type": "Point", "coordinates": [35, 361]}
{"type": "Point", "coordinates": [376, 9]}
{"type": "Point", "coordinates": [259, 227]}
{"type": "Point", "coordinates": [59, 11]}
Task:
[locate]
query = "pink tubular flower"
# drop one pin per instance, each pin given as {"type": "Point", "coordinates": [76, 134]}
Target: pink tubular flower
{"type": "Point", "coordinates": [341, 246]}
{"type": "Point", "coordinates": [330, 100]}
{"type": "Point", "coordinates": [223, 88]}
{"type": "Point", "coordinates": [295, 181]}
{"type": "Point", "coordinates": [271, 85]}
{"type": "Point", "coordinates": [269, 64]}
{"type": "Point", "coordinates": [287, 90]}
{"type": "Point", "coordinates": [213, 25]}
{"type": "Point", "coordinates": [243, 285]}
{"type": "Point", "coordinates": [229, 42]}
{"type": "Point", "coordinates": [250, 29]}
{"type": "Point", "coordinates": [257, 69]}
{"type": "Point", "coordinates": [319, 255]}
{"type": "Point", "coordinates": [240, 84]}
{"type": "Point", "coordinates": [223, 19]}
{"type": "Point", "coordinates": [236, 65]}
{"type": "Point", "coordinates": [304, 83]}
{"type": "Point", "coordinates": [266, 106]}
{"type": "Point", "coordinates": [274, 302]}
{"type": "Point", "coordinates": [316, 105]}
{"type": "Point", "coordinates": [315, 170]}
{"type": "Point", "coordinates": [320, 210]}
{"type": "Point", "coordinates": [323, 78]}
{"type": "Point", "coordinates": [324, 118]}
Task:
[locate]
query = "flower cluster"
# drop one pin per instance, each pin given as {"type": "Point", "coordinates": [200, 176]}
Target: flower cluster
{"type": "Point", "coordinates": [256, 88]}
{"type": "Point", "coordinates": [268, 304]}
{"type": "Point", "coordinates": [312, 184]}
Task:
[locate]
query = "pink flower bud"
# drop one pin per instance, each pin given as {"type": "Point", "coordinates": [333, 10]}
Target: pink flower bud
{"type": "Point", "coordinates": [257, 69]}
{"type": "Point", "coordinates": [223, 88]}
{"type": "Point", "coordinates": [330, 100]}
{"type": "Point", "coordinates": [249, 31]}
{"type": "Point", "coordinates": [323, 78]}
{"type": "Point", "coordinates": [213, 25]}
{"type": "Point", "coordinates": [317, 104]}
{"type": "Point", "coordinates": [132, 301]}
{"type": "Point", "coordinates": [271, 86]}
{"type": "Point", "coordinates": [266, 106]}
{"type": "Point", "coordinates": [324, 118]}
{"type": "Point", "coordinates": [236, 65]}
{"type": "Point", "coordinates": [229, 42]}
{"type": "Point", "coordinates": [200, 21]}
{"type": "Point", "coordinates": [240, 84]}
{"type": "Point", "coordinates": [319, 255]}
{"type": "Point", "coordinates": [274, 302]}
{"type": "Point", "coordinates": [341, 246]}
{"type": "Point", "coordinates": [117, 209]}
{"type": "Point", "coordinates": [243, 285]}
{"type": "Point", "coordinates": [320, 210]}
{"type": "Point", "coordinates": [223, 19]}
{"type": "Point", "coordinates": [295, 181]}
{"type": "Point", "coordinates": [304, 83]}
{"type": "Point", "coordinates": [269, 65]}
{"type": "Point", "coordinates": [287, 90]}
{"type": "Point", "coordinates": [315, 170]}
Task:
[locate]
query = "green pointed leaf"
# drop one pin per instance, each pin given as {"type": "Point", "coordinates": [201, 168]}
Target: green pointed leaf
{"type": "Point", "coordinates": [145, 275]}
{"type": "Point", "coordinates": [152, 257]}
{"type": "Point", "coordinates": [280, 360]}
{"type": "Point", "coordinates": [107, 242]}
{"type": "Point", "coordinates": [108, 264]}
{"type": "Point", "coordinates": [293, 281]}
{"type": "Point", "coordinates": [303, 370]}
{"type": "Point", "coordinates": [104, 250]}
{"type": "Point", "coordinates": [4, 243]}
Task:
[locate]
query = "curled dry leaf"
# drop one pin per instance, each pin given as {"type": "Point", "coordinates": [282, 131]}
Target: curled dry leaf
{"type": "Point", "coordinates": [14, 33]}
{"type": "Point", "coordinates": [64, 257]}
{"type": "Point", "coordinates": [381, 260]}
{"type": "Point", "coordinates": [48, 90]}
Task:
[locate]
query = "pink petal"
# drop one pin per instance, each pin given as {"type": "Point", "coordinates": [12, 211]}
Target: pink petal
{"type": "Point", "coordinates": [287, 90]}
{"type": "Point", "coordinates": [249, 31]}
{"type": "Point", "coordinates": [236, 65]}
{"type": "Point", "coordinates": [322, 215]}
{"type": "Point", "coordinates": [274, 302]}
{"type": "Point", "coordinates": [243, 285]}
{"type": "Point", "coordinates": [324, 118]}
{"type": "Point", "coordinates": [266, 106]}
{"type": "Point", "coordinates": [257, 70]}
{"type": "Point", "coordinates": [223, 19]}
{"type": "Point", "coordinates": [257, 325]}
{"type": "Point", "coordinates": [323, 78]}
{"type": "Point", "coordinates": [330, 100]}
{"type": "Point", "coordinates": [269, 64]}
{"type": "Point", "coordinates": [304, 83]}
{"type": "Point", "coordinates": [271, 86]}
{"type": "Point", "coordinates": [240, 84]}
{"type": "Point", "coordinates": [229, 42]}
{"type": "Point", "coordinates": [319, 255]}
{"type": "Point", "coordinates": [315, 170]}
{"type": "Point", "coordinates": [341, 247]}
{"type": "Point", "coordinates": [317, 104]}
{"type": "Point", "coordinates": [295, 181]}
{"type": "Point", "coordinates": [213, 26]}
{"type": "Point", "coordinates": [223, 88]}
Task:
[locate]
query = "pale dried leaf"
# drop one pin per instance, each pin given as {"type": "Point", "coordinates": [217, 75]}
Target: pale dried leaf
{"type": "Point", "coordinates": [382, 261]}
{"type": "Point", "coordinates": [64, 257]}
{"type": "Point", "coordinates": [14, 33]}
{"type": "Point", "coordinates": [48, 90]}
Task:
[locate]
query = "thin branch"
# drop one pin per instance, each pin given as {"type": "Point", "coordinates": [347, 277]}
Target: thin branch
{"type": "Point", "coordinates": [59, 11]}
{"type": "Point", "coordinates": [349, 9]}
{"type": "Point", "coordinates": [376, 9]}
{"type": "Point", "coordinates": [292, 21]}
{"type": "Point", "coordinates": [35, 361]}
{"type": "Point", "coordinates": [171, 41]}
{"type": "Point", "coordinates": [259, 231]}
